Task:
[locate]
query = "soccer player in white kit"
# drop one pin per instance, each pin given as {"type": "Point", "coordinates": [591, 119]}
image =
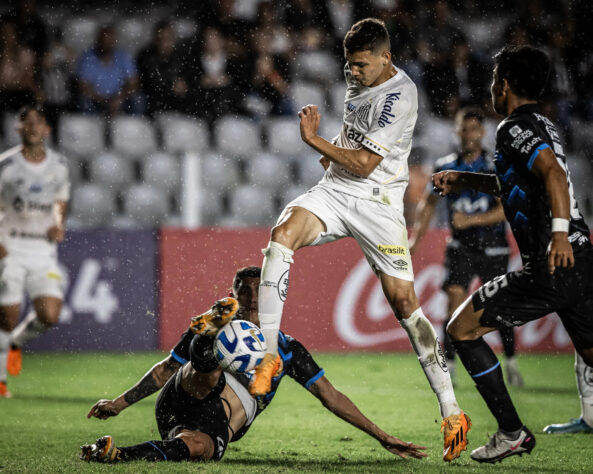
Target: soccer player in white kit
{"type": "Point", "coordinates": [34, 194]}
{"type": "Point", "coordinates": [361, 196]}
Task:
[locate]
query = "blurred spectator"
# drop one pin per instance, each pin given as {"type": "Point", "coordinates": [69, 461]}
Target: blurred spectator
{"type": "Point", "coordinates": [17, 81]}
{"type": "Point", "coordinates": [160, 68]}
{"type": "Point", "coordinates": [315, 62]}
{"type": "Point", "coordinates": [56, 74]}
{"type": "Point", "coordinates": [30, 28]}
{"type": "Point", "coordinates": [107, 77]}
{"type": "Point", "coordinates": [216, 95]}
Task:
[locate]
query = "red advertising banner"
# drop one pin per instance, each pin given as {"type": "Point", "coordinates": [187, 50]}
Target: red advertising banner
{"type": "Point", "coordinates": [335, 302]}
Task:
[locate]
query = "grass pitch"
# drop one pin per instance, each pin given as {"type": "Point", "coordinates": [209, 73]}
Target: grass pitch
{"type": "Point", "coordinates": [42, 427]}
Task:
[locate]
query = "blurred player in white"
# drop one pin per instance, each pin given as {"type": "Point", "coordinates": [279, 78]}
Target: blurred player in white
{"type": "Point", "coordinates": [34, 194]}
{"type": "Point", "coordinates": [361, 196]}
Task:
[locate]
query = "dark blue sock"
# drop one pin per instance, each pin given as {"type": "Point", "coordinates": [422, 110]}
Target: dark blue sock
{"type": "Point", "coordinates": [483, 366]}
{"type": "Point", "coordinates": [168, 450]}
{"type": "Point", "coordinates": [507, 337]}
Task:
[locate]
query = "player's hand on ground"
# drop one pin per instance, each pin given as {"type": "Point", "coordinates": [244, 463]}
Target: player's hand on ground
{"type": "Point", "coordinates": [104, 409]}
{"type": "Point", "coordinates": [310, 118]}
{"type": "Point", "coordinates": [446, 182]}
{"type": "Point", "coordinates": [559, 252]}
{"type": "Point", "coordinates": [56, 233]}
{"type": "Point", "coordinates": [403, 449]}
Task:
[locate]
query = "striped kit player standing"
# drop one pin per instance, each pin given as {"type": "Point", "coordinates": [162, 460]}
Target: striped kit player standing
{"type": "Point", "coordinates": [34, 194]}
{"type": "Point", "coordinates": [361, 196]}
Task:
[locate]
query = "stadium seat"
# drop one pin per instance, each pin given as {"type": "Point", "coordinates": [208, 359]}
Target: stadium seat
{"type": "Point", "coordinates": [310, 170]}
{"type": "Point", "coordinates": [290, 193]}
{"type": "Point", "coordinates": [92, 205]}
{"type": "Point", "coordinates": [79, 33]}
{"type": "Point", "coordinates": [219, 171]}
{"type": "Point", "coordinates": [11, 137]}
{"type": "Point", "coordinates": [304, 92]}
{"type": "Point", "coordinates": [284, 137]}
{"type": "Point", "coordinates": [133, 33]}
{"type": "Point", "coordinates": [162, 170]}
{"type": "Point", "coordinates": [132, 136]}
{"type": "Point", "coordinates": [436, 135]}
{"type": "Point", "coordinates": [111, 171]}
{"type": "Point", "coordinates": [251, 206]}
{"type": "Point", "coordinates": [146, 205]}
{"type": "Point", "coordinates": [337, 94]}
{"type": "Point", "coordinates": [269, 171]}
{"type": "Point", "coordinates": [182, 133]}
{"type": "Point", "coordinates": [81, 135]}
{"type": "Point", "coordinates": [211, 205]}
{"type": "Point", "coordinates": [237, 136]}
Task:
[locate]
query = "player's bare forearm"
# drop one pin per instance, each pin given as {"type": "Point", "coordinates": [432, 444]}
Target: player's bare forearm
{"type": "Point", "coordinates": [447, 182]}
{"type": "Point", "coordinates": [462, 220]}
{"type": "Point", "coordinates": [360, 162]}
{"type": "Point", "coordinates": [340, 405]}
{"type": "Point", "coordinates": [424, 215]}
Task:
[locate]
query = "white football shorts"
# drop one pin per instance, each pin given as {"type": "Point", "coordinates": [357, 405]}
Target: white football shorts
{"type": "Point", "coordinates": [379, 229]}
{"type": "Point", "coordinates": [38, 275]}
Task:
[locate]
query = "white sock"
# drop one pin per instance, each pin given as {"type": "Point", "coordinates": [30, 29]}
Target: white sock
{"type": "Point", "coordinates": [4, 346]}
{"type": "Point", "coordinates": [273, 288]}
{"type": "Point", "coordinates": [585, 385]}
{"type": "Point", "coordinates": [432, 359]}
{"type": "Point", "coordinates": [29, 328]}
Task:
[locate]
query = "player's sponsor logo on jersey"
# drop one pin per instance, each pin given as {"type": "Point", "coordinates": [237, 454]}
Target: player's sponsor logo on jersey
{"type": "Point", "coordinates": [54, 276]}
{"type": "Point", "coordinates": [351, 107]}
{"type": "Point", "coordinates": [392, 249]}
{"type": "Point", "coordinates": [515, 130]}
{"type": "Point", "coordinates": [283, 286]}
{"type": "Point", "coordinates": [386, 116]}
{"type": "Point", "coordinates": [519, 139]}
{"type": "Point", "coordinates": [35, 188]}
{"type": "Point", "coordinates": [401, 264]}
{"type": "Point", "coordinates": [529, 146]}
{"type": "Point", "coordinates": [220, 447]}
{"type": "Point", "coordinates": [588, 376]}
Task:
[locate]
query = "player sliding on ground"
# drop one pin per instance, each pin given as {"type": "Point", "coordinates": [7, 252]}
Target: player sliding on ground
{"type": "Point", "coordinates": [533, 182]}
{"type": "Point", "coordinates": [361, 196]}
{"type": "Point", "coordinates": [201, 408]}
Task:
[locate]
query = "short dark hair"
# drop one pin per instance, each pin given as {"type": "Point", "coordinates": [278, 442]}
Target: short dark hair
{"type": "Point", "coordinates": [26, 109]}
{"type": "Point", "coordinates": [369, 34]}
{"type": "Point", "coordinates": [525, 68]}
{"type": "Point", "coordinates": [470, 112]}
{"type": "Point", "coordinates": [243, 273]}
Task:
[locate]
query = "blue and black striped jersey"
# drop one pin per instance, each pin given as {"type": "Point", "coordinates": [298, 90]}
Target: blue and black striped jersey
{"type": "Point", "coordinates": [519, 140]}
{"type": "Point", "coordinates": [470, 201]}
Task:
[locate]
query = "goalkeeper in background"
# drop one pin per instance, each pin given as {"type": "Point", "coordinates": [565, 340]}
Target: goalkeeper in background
{"type": "Point", "coordinates": [200, 408]}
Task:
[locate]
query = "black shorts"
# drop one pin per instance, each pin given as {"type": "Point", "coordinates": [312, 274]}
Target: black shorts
{"type": "Point", "coordinates": [462, 264]}
{"type": "Point", "coordinates": [177, 410]}
{"type": "Point", "coordinates": [519, 297]}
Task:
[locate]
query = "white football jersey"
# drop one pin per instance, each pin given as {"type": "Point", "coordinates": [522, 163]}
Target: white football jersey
{"type": "Point", "coordinates": [380, 119]}
{"type": "Point", "coordinates": [28, 192]}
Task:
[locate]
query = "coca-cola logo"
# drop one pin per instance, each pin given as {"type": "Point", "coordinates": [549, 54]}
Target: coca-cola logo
{"type": "Point", "coordinates": [362, 317]}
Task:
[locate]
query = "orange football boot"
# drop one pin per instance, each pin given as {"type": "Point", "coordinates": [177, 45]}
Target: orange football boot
{"type": "Point", "coordinates": [14, 363]}
{"type": "Point", "coordinates": [208, 323]}
{"type": "Point", "coordinates": [4, 393]}
{"type": "Point", "coordinates": [261, 383]}
{"type": "Point", "coordinates": [454, 429]}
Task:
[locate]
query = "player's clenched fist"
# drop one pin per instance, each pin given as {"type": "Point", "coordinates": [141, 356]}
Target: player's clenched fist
{"type": "Point", "coordinates": [446, 182]}
{"type": "Point", "coordinates": [310, 118]}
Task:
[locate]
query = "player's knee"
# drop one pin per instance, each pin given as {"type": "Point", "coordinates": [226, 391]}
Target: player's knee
{"type": "Point", "coordinates": [200, 445]}
{"type": "Point", "coordinates": [404, 302]}
{"type": "Point", "coordinates": [49, 317]}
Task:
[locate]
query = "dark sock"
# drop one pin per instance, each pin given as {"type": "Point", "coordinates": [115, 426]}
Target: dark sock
{"type": "Point", "coordinates": [484, 368]}
{"type": "Point", "coordinates": [447, 344]}
{"type": "Point", "coordinates": [507, 336]}
{"type": "Point", "coordinates": [169, 450]}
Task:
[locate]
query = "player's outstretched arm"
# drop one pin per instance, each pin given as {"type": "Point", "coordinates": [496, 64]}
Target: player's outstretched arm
{"type": "Point", "coordinates": [341, 406]}
{"type": "Point", "coordinates": [152, 381]}
{"type": "Point", "coordinates": [447, 182]}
